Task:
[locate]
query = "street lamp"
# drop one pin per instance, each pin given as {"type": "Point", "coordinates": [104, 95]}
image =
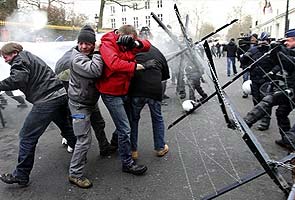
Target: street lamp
{"type": "Point", "coordinates": [96, 18]}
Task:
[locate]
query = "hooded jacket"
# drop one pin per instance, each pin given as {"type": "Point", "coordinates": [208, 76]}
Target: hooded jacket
{"type": "Point", "coordinates": [119, 65]}
{"type": "Point", "coordinates": [85, 70]}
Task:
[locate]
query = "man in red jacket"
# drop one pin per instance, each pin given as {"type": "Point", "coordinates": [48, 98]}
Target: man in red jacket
{"type": "Point", "coordinates": [118, 50]}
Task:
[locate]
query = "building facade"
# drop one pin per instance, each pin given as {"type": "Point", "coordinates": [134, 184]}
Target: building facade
{"type": "Point", "coordinates": [272, 18]}
{"type": "Point", "coordinates": [138, 13]}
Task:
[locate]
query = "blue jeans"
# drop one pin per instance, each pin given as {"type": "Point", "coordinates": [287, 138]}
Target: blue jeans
{"type": "Point", "coordinates": [34, 126]}
{"type": "Point", "coordinates": [137, 104]}
{"type": "Point", "coordinates": [118, 107]}
{"type": "Point", "coordinates": [231, 61]}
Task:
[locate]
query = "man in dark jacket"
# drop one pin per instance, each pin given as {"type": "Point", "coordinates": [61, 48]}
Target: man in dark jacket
{"type": "Point", "coordinates": [258, 72]}
{"type": "Point", "coordinates": [231, 49]}
{"type": "Point", "coordinates": [45, 91]}
{"type": "Point", "coordinates": [283, 97]}
{"type": "Point", "coordinates": [146, 88]}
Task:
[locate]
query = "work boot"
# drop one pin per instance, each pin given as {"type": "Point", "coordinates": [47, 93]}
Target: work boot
{"type": "Point", "coordinates": [107, 150]}
{"type": "Point", "coordinates": [264, 123]}
{"type": "Point", "coordinates": [163, 151]}
{"type": "Point", "coordinates": [285, 144]}
{"type": "Point", "coordinates": [10, 179]}
{"type": "Point", "coordinates": [135, 169]}
{"type": "Point", "coordinates": [81, 182]}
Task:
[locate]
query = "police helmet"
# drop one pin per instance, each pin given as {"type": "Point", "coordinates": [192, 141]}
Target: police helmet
{"type": "Point", "coordinates": [264, 36]}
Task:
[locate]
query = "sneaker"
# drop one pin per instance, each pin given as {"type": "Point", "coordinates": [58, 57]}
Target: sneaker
{"type": "Point", "coordinates": [64, 141]}
{"type": "Point", "coordinates": [70, 149]}
{"type": "Point", "coordinates": [284, 144]}
{"type": "Point", "coordinates": [81, 182]}
{"type": "Point", "coordinates": [134, 155]}
{"type": "Point", "coordinates": [163, 152]}
{"type": "Point", "coordinates": [135, 169]}
{"type": "Point", "coordinates": [10, 179]}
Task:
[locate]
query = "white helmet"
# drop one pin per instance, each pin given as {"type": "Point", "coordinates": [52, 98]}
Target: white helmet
{"type": "Point", "coordinates": [247, 87]}
{"type": "Point", "coordinates": [187, 105]}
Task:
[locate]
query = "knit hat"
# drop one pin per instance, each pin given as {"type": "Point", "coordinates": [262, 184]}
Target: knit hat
{"type": "Point", "coordinates": [10, 48]}
{"type": "Point", "coordinates": [86, 34]}
{"type": "Point", "coordinates": [290, 33]}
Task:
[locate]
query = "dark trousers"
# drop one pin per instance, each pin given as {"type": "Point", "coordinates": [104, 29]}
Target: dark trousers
{"type": "Point", "coordinates": [34, 126]}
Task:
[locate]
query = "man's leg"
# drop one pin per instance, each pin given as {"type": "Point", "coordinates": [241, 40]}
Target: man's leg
{"type": "Point", "coordinates": [63, 121]}
{"type": "Point", "coordinates": [137, 103]}
{"type": "Point", "coordinates": [228, 63]}
{"type": "Point", "coordinates": [115, 106]}
{"type": "Point", "coordinates": [233, 61]}
{"type": "Point", "coordinates": [158, 127]}
{"type": "Point", "coordinates": [34, 126]}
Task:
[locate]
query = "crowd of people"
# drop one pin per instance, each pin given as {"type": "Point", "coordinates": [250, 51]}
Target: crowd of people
{"type": "Point", "coordinates": [128, 72]}
{"type": "Point", "coordinates": [69, 97]}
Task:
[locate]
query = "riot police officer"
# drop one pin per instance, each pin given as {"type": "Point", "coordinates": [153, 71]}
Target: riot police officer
{"type": "Point", "coordinates": [258, 73]}
{"type": "Point", "coordinates": [284, 97]}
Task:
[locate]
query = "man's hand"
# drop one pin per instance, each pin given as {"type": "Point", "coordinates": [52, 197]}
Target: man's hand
{"type": "Point", "coordinates": [150, 64]}
{"type": "Point", "coordinates": [127, 41]}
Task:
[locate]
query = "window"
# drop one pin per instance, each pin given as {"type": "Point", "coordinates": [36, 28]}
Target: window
{"type": "Point", "coordinates": [159, 3]}
{"type": "Point", "coordinates": [148, 20]}
{"type": "Point", "coordinates": [113, 22]}
{"type": "Point", "coordinates": [135, 6]}
{"type": "Point", "coordinates": [124, 8]}
{"type": "Point", "coordinates": [112, 9]}
{"type": "Point", "coordinates": [135, 22]}
{"type": "Point", "coordinates": [147, 4]}
{"type": "Point", "coordinates": [160, 16]}
{"type": "Point", "coordinates": [124, 21]}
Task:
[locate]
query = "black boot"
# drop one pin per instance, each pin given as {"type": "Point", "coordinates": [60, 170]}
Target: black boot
{"type": "Point", "coordinates": [264, 124]}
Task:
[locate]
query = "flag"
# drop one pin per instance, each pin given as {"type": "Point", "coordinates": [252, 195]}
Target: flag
{"type": "Point", "coordinates": [267, 8]}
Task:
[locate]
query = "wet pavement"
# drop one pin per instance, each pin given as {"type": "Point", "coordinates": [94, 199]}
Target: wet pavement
{"type": "Point", "coordinates": [204, 156]}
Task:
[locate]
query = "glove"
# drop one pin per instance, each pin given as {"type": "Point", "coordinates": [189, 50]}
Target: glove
{"type": "Point", "coordinates": [269, 75]}
{"type": "Point", "coordinates": [151, 64]}
{"type": "Point", "coordinates": [275, 50]}
{"type": "Point", "coordinates": [127, 41]}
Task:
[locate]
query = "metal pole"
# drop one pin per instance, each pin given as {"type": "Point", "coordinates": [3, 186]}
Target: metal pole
{"type": "Point", "coordinates": [286, 17]}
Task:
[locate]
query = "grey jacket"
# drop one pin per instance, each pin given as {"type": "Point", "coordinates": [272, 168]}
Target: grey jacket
{"type": "Point", "coordinates": [33, 77]}
{"type": "Point", "coordinates": [85, 70]}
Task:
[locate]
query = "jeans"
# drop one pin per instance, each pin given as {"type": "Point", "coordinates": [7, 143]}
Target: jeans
{"type": "Point", "coordinates": [34, 126]}
{"type": "Point", "coordinates": [137, 104]}
{"type": "Point", "coordinates": [118, 107]}
{"type": "Point", "coordinates": [231, 61]}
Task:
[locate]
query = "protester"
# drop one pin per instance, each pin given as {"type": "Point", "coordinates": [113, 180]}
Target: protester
{"type": "Point", "coordinates": [146, 88]}
{"type": "Point", "coordinates": [62, 69]}
{"type": "Point", "coordinates": [118, 49]}
{"type": "Point", "coordinates": [45, 91]}
{"type": "Point", "coordinates": [85, 68]}
{"type": "Point", "coordinates": [231, 49]}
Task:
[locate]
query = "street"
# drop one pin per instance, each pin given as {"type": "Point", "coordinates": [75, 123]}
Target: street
{"type": "Point", "coordinates": [204, 156]}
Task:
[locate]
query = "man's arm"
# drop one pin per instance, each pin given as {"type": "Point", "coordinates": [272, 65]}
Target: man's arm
{"type": "Point", "coordinates": [19, 77]}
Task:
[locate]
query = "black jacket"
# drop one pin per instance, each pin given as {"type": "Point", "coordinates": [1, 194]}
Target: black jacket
{"type": "Point", "coordinates": [231, 49]}
{"type": "Point", "coordinates": [148, 83]}
{"type": "Point", "coordinates": [32, 76]}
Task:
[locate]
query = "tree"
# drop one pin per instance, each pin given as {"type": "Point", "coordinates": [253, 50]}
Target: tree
{"type": "Point", "coordinates": [127, 3]}
{"type": "Point", "coordinates": [205, 29]}
{"type": "Point", "coordinates": [7, 7]}
{"type": "Point", "coordinates": [243, 27]}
